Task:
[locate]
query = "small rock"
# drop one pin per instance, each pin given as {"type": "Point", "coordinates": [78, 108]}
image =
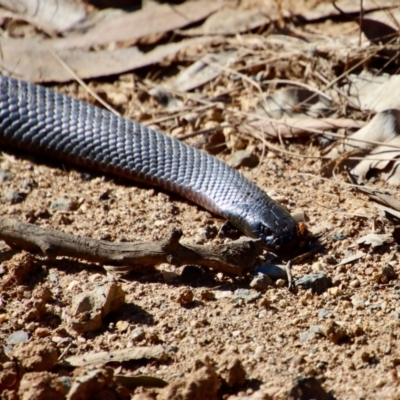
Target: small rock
{"type": "Point", "coordinates": [243, 158]}
{"type": "Point", "coordinates": [389, 272]}
{"type": "Point", "coordinates": [63, 205]}
{"type": "Point", "coordinates": [331, 260]}
{"type": "Point", "coordinates": [317, 329]}
{"type": "Point", "coordinates": [200, 384]}
{"type": "Point", "coordinates": [355, 283]}
{"type": "Point", "coordinates": [17, 337]}
{"type": "Point", "coordinates": [318, 283]}
{"type": "Point", "coordinates": [259, 351]}
{"type": "Point", "coordinates": [338, 236]}
{"type": "Point", "coordinates": [334, 332]}
{"type": "Point", "coordinates": [88, 309]}
{"type": "Point", "coordinates": [273, 271]}
{"type": "Point", "coordinates": [247, 295]}
{"type": "Point", "coordinates": [42, 385]}
{"type": "Point", "coordinates": [14, 197]}
{"type": "Point", "coordinates": [91, 382]}
{"type": "Point", "coordinates": [322, 313]}
{"type": "Point", "coordinates": [230, 370]}
{"type": "Point", "coordinates": [317, 267]}
{"type": "Point", "coordinates": [36, 356]}
{"type": "Point", "coordinates": [358, 302]}
{"type": "Point", "coordinates": [122, 326]}
{"type": "Point", "coordinates": [395, 314]}
{"type": "Point", "coordinates": [42, 332]}
{"type": "Point", "coordinates": [280, 283]}
{"type": "Point", "coordinates": [308, 388]}
{"type": "Point", "coordinates": [138, 334]}
{"type": "Point", "coordinates": [169, 276]}
{"type": "Point", "coordinates": [207, 295]}
{"type": "Point", "coordinates": [184, 297]}
{"type": "Point", "coordinates": [5, 176]}
{"type": "Point", "coordinates": [334, 291]}
{"type": "Point", "coordinates": [261, 282]}
{"type": "Point", "coordinates": [306, 336]}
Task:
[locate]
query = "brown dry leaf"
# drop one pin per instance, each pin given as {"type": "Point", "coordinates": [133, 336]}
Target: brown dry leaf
{"type": "Point", "coordinates": [294, 101]}
{"type": "Point", "coordinates": [382, 128]}
{"type": "Point", "coordinates": [57, 15]}
{"type": "Point", "coordinates": [293, 127]}
{"type": "Point", "coordinates": [104, 357]}
{"type": "Point", "coordinates": [327, 10]}
{"type": "Point", "coordinates": [128, 28]}
{"type": "Point", "coordinates": [229, 21]}
{"type": "Point", "coordinates": [32, 60]}
{"type": "Point", "coordinates": [374, 93]}
{"type": "Point", "coordinates": [381, 26]}
{"type": "Point", "coordinates": [385, 160]}
{"type": "Point", "coordinates": [202, 71]}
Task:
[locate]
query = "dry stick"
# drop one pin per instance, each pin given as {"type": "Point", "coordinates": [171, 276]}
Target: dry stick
{"type": "Point", "coordinates": [233, 258]}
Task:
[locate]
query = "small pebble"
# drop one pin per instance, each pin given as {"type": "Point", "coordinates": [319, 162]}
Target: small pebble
{"type": "Point", "coordinates": [185, 297]}
{"type": "Point", "coordinates": [322, 313]}
{"type": "Point", "coordinates": [334, 291]}
{"type": "Point", "coordinates": [261, 282]}
{"type": "Point", "coordinates": [247, 295]}
{"type": "Point", "coordinates": [14, 197]}
{"type": "Point", "coordinates": [17, 337]}
{"type": "Point", "coordinates": [63, 205]}
{"type": "Point", "coordinates": [137, 334]}
{"type": "Point", "coordinates": [318, 283]}
{"type": "Point", "coordinates": [5, 176]}
{"type": "Point", "coordinates": [273, 271]}
{"type": "Point", "coordinates": [122, 326]}
{"type": "Point", "coordinates": [389, 272]}
{"type": "Point", "coordinates": [355, 283]}
{"type": "Point", "coordinates": [280, 283]}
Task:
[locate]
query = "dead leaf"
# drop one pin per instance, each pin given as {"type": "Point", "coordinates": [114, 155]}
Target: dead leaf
{"type": "Point", "coordinates": [351, 256]}
{"type": "Point", "coordinates": [374, 93]}
{"type": "Point", "coordinates": [387, 168]}
{"type": "Point", "coordinates": [31, 59]}
{"type": "Point", "coordinates": [229, 21]}
{"type": "Point", "coordinates": [128, 28]}
{"type": "Point", "coordinates": [294, 127]}
{"type": "Point", "coordinates": [59, 15]}
{"type": "Point", "coordinates": [383, 128]}
{"type": "Point", "coordinates": [374, 240]}
{"type": "Point", "coordinates": [382, 26]}
{"type": "Point", "coordinates": [104, 357]}
{"type": "Point", "coordinates": [202, 71]}
{"type": "Point", "coordinates": [327, 10]}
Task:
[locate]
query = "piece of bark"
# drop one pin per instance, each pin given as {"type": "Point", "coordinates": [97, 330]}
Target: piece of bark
{"type": "Point", "coordinates": [234, 258]}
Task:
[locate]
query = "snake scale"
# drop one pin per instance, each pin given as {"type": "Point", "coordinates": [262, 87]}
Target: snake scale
{"type": "Point", "coordinates": [41, 121]}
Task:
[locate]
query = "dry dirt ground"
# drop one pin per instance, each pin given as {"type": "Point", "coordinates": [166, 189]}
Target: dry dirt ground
{"type": "Point", "coordinates": [346, 337]}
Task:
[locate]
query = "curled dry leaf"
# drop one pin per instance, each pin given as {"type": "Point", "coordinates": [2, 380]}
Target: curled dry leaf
{"type": "Point", "coordinates": [383, 128]}
{"type": "Point", "coordinates": [58, 15]}
{"type": "Point", "coordinates": [297, 102]}
{"type": "Point", "coordinates": [374, 93]}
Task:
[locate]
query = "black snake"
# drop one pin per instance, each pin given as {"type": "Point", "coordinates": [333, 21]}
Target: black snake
{"type": "Point", "coordinates": [41, 121]}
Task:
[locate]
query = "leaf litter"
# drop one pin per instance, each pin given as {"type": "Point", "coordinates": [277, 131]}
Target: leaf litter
{"type": "Point", "coordinates": [299, 86]}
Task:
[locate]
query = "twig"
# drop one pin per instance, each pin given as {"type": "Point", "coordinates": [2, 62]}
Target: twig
{"type": "Point", "coordinates": [234, 258]}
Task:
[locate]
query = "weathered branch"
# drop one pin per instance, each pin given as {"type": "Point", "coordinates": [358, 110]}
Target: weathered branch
{"type": "Point", "coordinates": [234, 258]}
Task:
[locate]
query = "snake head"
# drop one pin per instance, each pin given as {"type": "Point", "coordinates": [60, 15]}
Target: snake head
{"type": "Point", "coordinates": [287, 241]}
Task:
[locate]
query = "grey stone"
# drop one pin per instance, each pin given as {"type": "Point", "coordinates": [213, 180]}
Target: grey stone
{"type": "Point", "coordinates": [318, 283]}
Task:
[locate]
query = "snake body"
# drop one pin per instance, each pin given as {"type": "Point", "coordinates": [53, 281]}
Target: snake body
{"type": "Point", "coordinates": [41, 121]}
